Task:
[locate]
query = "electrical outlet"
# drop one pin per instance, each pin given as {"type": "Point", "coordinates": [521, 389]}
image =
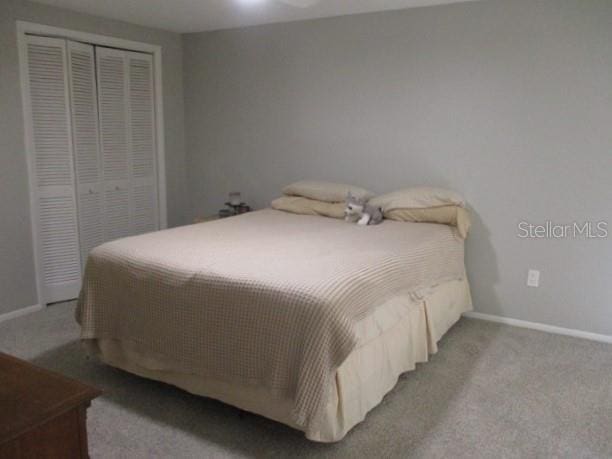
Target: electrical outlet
{"type": "Point", "coordinates": [533, 278]}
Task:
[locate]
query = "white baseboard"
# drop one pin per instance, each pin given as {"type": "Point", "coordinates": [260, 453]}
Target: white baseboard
{"type": "Point", "coordinates": [472, 314]}
{"type": "Point", "coordinates": [20, 312]}
{"type": "Point", "coordinates": [541, 327]}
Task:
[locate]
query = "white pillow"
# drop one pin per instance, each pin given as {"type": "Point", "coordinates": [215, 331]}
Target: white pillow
{"type": "Point", "coordinates": [325, 191]}
{"type": "Point", "coordinates": [305, 206]}
{"type": "Point", "coordinates": [418, 198]}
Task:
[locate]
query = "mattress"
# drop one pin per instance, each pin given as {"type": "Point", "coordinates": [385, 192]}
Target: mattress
{"type": "Point", "coordinates": [267, 301]}
{"type": "Point", "coordinates": [392, 341]}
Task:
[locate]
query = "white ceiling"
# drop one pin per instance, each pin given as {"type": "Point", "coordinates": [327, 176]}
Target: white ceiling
{"type": "Point", "coordinates": [200, 15]}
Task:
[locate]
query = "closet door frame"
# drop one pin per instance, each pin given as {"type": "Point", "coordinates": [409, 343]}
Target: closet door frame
{"type": "Point", "coordinates": [25, 28]}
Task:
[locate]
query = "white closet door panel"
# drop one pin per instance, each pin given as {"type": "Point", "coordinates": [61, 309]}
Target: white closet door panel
{"type": "Point", "coordinates": [85, 136]}
{"type": "Point", "coordinates": [91, 219]}
{"type": "Point", "coordinates": [112, 106]}
{"type": "Point", "coordinates": [59, 245]}
{"type": "Point", "coordinates": [117, 210]}
{"type": "Point", "coordinates": [114, 141]}
{"type": "Point", "coordinates": [52, 168]}
{"type": "Point", "coordinates": [144, 212]}
{"type": "Point", "coordinates": [140, 68]}
{"type": "Point", "coordinates": [84, 112]}
{"type": "Point", "coordinates": [50, 115]}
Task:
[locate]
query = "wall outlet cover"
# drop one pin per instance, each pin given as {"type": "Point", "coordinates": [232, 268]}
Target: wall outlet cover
{"type": "Point", "coordinates": [533, 278]}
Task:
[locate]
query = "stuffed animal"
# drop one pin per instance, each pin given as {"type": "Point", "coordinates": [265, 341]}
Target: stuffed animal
{"type": "Point", "coordinates": [357, 209]}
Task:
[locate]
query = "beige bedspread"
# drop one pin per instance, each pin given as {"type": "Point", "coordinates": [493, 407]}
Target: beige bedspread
{"type": "Point", "coordinates": [267, 298]}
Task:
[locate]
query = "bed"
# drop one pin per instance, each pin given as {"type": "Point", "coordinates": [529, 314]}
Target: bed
{"type": "Point", "coordinates": [306, 320]}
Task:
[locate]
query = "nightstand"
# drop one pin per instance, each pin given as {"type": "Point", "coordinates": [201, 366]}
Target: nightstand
{"type": "Point", "coordinates": [208, 218]}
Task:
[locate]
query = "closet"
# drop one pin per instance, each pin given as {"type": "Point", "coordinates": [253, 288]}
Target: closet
{"type": "Point", "coordinates": [92, 153]}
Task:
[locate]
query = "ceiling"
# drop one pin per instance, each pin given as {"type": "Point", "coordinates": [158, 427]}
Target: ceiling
{"type": "Point", "coordinates": [200, 15]}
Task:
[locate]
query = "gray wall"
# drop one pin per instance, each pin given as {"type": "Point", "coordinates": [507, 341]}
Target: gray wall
{"type": "Point", "coordinates": [508, 102]}
{"type": "Point", "coordinates": [17, 279]}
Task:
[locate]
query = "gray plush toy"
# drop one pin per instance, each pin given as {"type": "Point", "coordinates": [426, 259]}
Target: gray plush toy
{"type": "Point", "coordinates": [359, 210]}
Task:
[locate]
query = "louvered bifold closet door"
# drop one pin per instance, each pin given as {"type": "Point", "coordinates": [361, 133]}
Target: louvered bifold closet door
{"type": "Point", "coordinates": [84, 109]}
{"type": "Point", "coordinates": [144, 215]}
{"type": "Point", "coordinates": [114, 141]}
{"type": "Point", "coordinates": [52, 171]}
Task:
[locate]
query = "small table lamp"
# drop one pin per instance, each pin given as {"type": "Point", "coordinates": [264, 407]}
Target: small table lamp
{"type": "Point", "coordinates": [235, 198]}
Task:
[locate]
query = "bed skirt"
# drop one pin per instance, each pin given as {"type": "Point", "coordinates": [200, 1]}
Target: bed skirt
{"type": "Point", "coordinates": [392, 341]}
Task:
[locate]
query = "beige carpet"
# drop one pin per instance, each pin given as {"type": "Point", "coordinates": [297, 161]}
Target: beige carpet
{"type": "Point", "coordinates": [491, 391]}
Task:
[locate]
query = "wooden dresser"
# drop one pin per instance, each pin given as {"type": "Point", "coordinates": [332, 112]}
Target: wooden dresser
{"type": "Point", "coordinates": [42, 413]}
